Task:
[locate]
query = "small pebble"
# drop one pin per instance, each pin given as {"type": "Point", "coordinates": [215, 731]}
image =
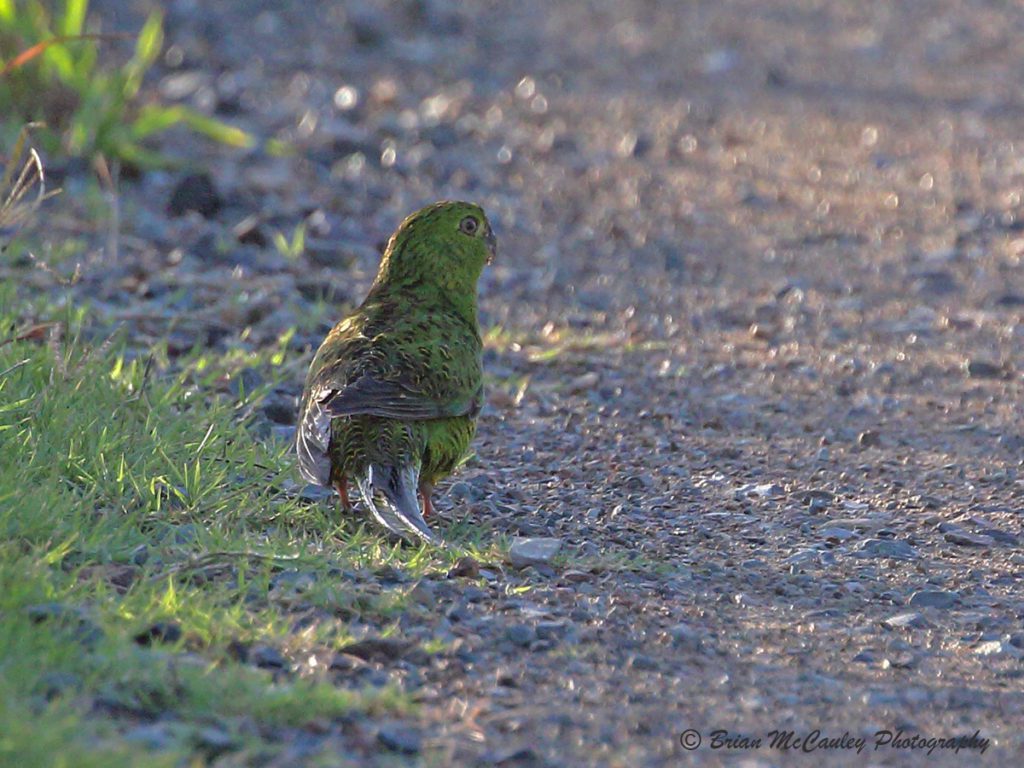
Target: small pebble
{"type": "Point", "coordinates": [521, 634]}
{"type": "Point", "coordinates": [933, 598]}
{"type": "Point", "coordinates": [897, 550]}
{"type": "Point", "coordinates": [399, 737]}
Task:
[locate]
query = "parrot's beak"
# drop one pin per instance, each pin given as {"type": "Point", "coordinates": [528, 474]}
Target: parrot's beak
{"type": "Point", "coordinates": [492, 244]}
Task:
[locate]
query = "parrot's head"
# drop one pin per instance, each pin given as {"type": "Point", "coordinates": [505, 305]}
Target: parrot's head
{"type": "Point", "coordinates": [447, 243]}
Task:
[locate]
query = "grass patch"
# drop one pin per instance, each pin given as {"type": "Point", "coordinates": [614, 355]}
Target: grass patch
{"type": "Point", "coordinates": [50, 70]}
{"type": "Point", "coordinates": [136, 495]}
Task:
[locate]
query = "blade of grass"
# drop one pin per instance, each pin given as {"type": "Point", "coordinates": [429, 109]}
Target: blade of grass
{"type": "Point", "coordinates": [39, 48]}
{"type": "Point", "coordinates": [147, 50]}
{"type": "Point", "coordinates": [74, 17]}
{"type": "Point", "coordinates": [154, 119]}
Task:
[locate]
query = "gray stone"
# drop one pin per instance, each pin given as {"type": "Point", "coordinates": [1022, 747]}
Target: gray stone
{"type": "Point", "coordinates": [869, 439]}
{"type": "Point", "coordinates": [539, 551]}
{"type": "Point", "coordinates": [195, 192]}
{"type": "Point", "coordinates": [521, 634]}
{"type": "Point", "coordinates": [280, 409]}
{"type": "Point", "coordinates": [552, 630]}
{"type": "Point", "coordinates": [644, 663]}
{"type": "Point", "coordinates": [399, 737]}
{"type": "Point", "coordinates": [983, 369]}
{"type": "Point", "coordinates": [965, 539]}
{"type": "Point", "coordinates": [934, 598]}
{"type": "Point", "coordinates": [836, 533]}
{"type": "Point", "coordinates": [315, 493]}
{"type": "Point", "coordinates": [265, 657]}
{"type": "Point", "coordinates": [911, 620]}
{"type": "Point", "coordinates": [898, 550]}
{"type": "Point", "coordinates": [998, 647]}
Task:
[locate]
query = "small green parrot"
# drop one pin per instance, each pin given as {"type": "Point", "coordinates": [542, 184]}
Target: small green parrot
{"type": "Point", "coordinates": [393, 393]}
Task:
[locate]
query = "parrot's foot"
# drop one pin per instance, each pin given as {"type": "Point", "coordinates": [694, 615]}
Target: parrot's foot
{"type": "Point", "coordinates": [425, 490]}
{"type": "Point", "coordinates": [342, 488]}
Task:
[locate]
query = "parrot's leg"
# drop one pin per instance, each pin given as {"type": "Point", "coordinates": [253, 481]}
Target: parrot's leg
{"type": "Point", "coordinates": [425, 490]}
{"type": "Point", "coordinates": [342, 488]}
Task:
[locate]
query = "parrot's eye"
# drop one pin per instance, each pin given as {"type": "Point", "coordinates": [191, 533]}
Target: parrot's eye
{"type": "Point", "coordinates": [469, 225]}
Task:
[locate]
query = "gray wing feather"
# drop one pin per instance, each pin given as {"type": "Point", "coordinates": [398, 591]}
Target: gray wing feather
{"type": "Point", "coordinates": [368, 396]}
{"type": "Point", "coordinates": [312, 439]}
{"type": "Point", "coordinates": [389, 493]}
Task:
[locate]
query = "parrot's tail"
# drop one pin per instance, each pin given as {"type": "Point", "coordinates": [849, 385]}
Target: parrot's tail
{"type": "Point", "coordinates": [390, 493]}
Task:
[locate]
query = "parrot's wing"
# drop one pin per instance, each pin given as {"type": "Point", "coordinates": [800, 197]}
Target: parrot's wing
{"type": "Point", "coordinates": [370, 396]}
{"type": "Point", "coordinates": [365, 396]}
{"type": "Point", "coordinates": [312, 439]}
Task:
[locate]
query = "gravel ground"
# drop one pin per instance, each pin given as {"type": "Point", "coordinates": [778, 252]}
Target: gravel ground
{"type": "Point", "coordinates": [755, 364]}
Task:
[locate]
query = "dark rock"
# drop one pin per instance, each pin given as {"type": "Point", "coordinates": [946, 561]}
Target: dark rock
{"type": "Point", "coordinates": [836, 534]}
{"type": "Point", "coordinates": [463, 491]}
{"type": "Point", "coordinates": [378, 648]}
{"type": "Point", "coordinates": [249, 231]}
{"type": "Point", "coordinates": [280, 409]}
{"type": "Point", "coordinates": [552, 630]}
{"type": "Point", "coordinates": [400, 737]}
{"type": "Point", "coordinates": [933, 598]}
{"type": "Point", "coordinates": [902, 660]}
{"type": "Point", "coordinates": [465, 567]}
{"type": "Point", "coordinates": [965, 539]}
{"type": "Point", "coordinates": [159, 632]}
{"type": "Point", "coordinates": [686, 637]}
{"type": "Point", "coordinates": [898, 550]}
{"type": "Point", "coordinates": [938, 282]}
{"type": "Point", "coordinates": [239, 651]}
{"type": "Point", "coordinates": [1010, 300]}
{"type": "Point", "coordinates": [140, 554]}
{"type": "Point", "coordinates": [342, 662]}
{"type": "Point", "coordinates": [195, 192]}
{"type": "Point", "coordinates": [368, 28]}
{"type": "Point", "coordinates": [266, 657]}
{"type": "Point", "coordinates": [388, 574]}
{"type": "Point", "coordinates": [984, 369]}
{"type": "Point", "coordinates": [521, 634]}
{"type": "Point", "coordinates": [183, 533]}
{"type": "Point", "coordinates": [315, 493]}
{"type": "Point", "coordinates": [245, 382]}
{"type": "Point", "coordinates": [643, 663]}
{"type": "Point", "coordinates": [121, 576]}
{"type": "Point", "coordinates": [516, 757]}
{"type": "Point", "coordinates": [869, 439]}
{"type": "Point", "coordinates": [441, 136]}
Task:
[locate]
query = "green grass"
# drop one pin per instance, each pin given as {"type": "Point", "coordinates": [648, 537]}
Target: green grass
{"type": "Point", "coordinates": [131, 493]}
{"type": "Point", "coordinates": [51, 71]}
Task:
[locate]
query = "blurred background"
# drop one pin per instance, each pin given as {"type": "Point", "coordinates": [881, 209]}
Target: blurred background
{"type": "Point", "coordinates": [633, 155]}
